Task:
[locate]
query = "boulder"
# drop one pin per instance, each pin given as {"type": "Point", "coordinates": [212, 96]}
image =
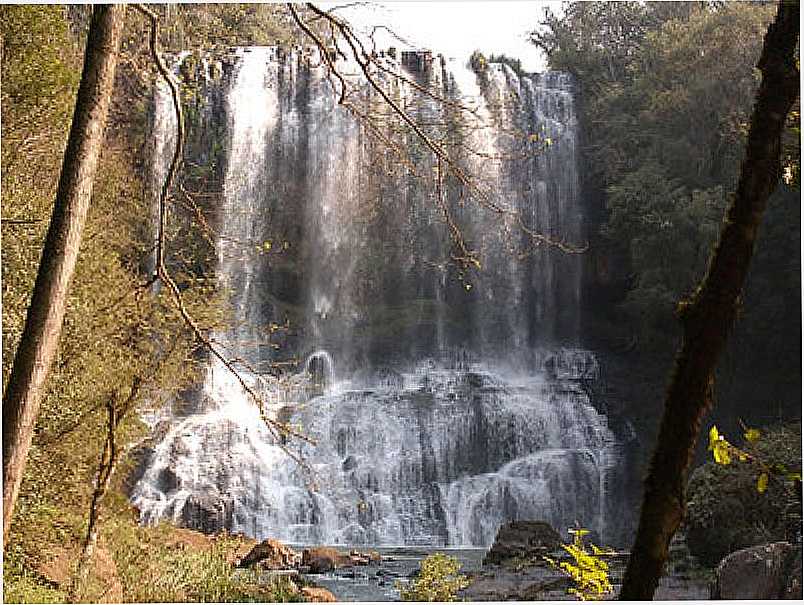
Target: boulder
{"type": "Point", "coordinates": [760, 572]}
{"type": "Point", "coordinates": [322, 559]}
{"type": "Point", "coordinates": [271, 554]}
{"type": "Point", "coordinates": [522, 539]}
{"type": "Point", "coordinates": [207, 513]}
{"type": "Point", "coordinates": [364, 558]}
{"type": "Point", "coordinates": [317, 595]}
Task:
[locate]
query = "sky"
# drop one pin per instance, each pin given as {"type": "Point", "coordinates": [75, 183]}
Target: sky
{"type": "Point", "coordinates": [455, 28]}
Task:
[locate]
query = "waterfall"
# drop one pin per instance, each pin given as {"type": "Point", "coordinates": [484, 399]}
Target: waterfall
{"type": "Point", "coordinates": [441, 400]}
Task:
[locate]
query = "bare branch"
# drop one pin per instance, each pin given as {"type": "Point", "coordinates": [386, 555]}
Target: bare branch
{"type": "Point", "coordinates": [277, 429]}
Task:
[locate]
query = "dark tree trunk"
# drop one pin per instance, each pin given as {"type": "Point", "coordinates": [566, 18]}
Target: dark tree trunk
{"type": "Point", "coordinates": [40, 337]}
{"type": "Point", "coordinates": [707, 317]}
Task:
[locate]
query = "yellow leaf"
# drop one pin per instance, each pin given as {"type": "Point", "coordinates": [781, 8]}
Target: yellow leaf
{"type": "Point", "coordinates": [719, 447]}
{"type": "Point", "coordinates": [721, 453]}
{"type": "Point", "coordinates": [751, 435]}
{"type": "Point", "coordinates": [762, 483]}
{"type": "Point", "coordinates": [714, 436]}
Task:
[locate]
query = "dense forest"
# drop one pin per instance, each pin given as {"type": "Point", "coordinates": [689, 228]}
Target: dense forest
{"type": "Point", "coordinates": [665, 92]}
{"type": "Point", "coordinates": [668, 90]}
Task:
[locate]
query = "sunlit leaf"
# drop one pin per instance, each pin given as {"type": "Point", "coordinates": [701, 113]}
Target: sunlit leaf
{"type": "Point", "coordinates": [752, 435]}
{"type": "Point", "coordinates": [762, 483]}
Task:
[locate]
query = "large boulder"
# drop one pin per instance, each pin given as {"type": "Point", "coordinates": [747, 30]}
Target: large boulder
{"type": "Point", "coordinates": [271, 554]}
{"type": "Point", "coordinates": [769, 571]}
{"type": "Point", "coordinates": [522, 539]}
{"type": "Point", "coordinates": [322, 559]}
{"type": "Point", "coordinates": [207, 513]}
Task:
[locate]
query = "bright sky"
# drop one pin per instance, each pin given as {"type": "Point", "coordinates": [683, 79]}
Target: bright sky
{"type": "Point", "coordinates": [456, 28]}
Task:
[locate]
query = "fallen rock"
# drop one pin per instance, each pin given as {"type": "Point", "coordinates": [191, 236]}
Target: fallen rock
{"type": "Point", "coordinates": [364, 558]}
{"type": "Point", "coordinates": [271, 554]}
{"type": "Point", "coordinates": [318, 595]}
{"type": "Point", "coordinates": [522, 539]}
{"type": "Point", "coordinates": [207, 513]}
{"type": "Point", "coordinates": [760, 572]}
{"type": "Point", "coordinates": [322, 559]}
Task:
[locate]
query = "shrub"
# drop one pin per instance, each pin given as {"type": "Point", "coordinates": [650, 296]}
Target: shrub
{"type": "Point", "coordinates": [589, 572]}
{"type": "Point", "coordinates": [726, 510]}
{"type": "Point", "coordinates": [438, 580]}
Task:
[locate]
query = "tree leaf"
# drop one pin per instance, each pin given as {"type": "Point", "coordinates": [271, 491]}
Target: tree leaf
{"type": "Point", "coordinates": [752, 435]}
{"type": "Point", "coordinates": [762, 483]}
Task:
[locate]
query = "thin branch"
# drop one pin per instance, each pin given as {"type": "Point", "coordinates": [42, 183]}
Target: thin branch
{"type": "Point", "coordinates": [277, 429]}
{"type": "Point", "coordinates": [365, 61]}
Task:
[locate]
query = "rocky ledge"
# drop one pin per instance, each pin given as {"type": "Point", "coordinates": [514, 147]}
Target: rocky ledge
{"type": "Point", "coordinates": [515, 569]}
{"type": "Point", "coordinates": [273, 555]}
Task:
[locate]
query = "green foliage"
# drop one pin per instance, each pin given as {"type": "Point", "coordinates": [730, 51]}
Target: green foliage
{"type": "Point", "coordinates": [438, 580]}
{"type": "Point", "coordinates": [732, 506]}
{"type": "Point", "coordinates": [588, 571]}
{"type": "Point", "coordinates": [39, 60]}
{"type": "Point", "coordinates": [511, 62]}
{"type": "Point", "coordinates": [478, 62]}
{"type": "Point", "coordinates": [196, 26]}
{"type": "Point", "coordinates": [667, 91]}
{"type": "Point", "coordinates": [115, 333]}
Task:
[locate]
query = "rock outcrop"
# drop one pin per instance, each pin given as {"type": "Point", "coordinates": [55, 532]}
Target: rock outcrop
{"type": "Point", "coordinates": [271, 554]}
{"type": "Point", "coordinates": [322, 559]}
{"type": "Point", "coordinates": [207, 513]}
{"type": "Point", "coordinates": [769, 571]}
{"type": "Point", "coordinates": [522, 539]}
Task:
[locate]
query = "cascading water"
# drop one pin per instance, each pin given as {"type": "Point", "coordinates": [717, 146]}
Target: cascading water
{"type": "Point", "coordinates": [442, 402]}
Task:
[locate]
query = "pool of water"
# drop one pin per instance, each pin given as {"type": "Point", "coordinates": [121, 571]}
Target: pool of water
{"type": "Point", "coordinates": [377, 581]}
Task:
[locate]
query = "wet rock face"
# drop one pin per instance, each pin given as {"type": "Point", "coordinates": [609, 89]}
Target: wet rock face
{"type": "Point", "coordinates": [769, 571]}
{"type": "Point", "coordinates": [206, 513]}
{"type": "Point", "coordinates": [522, 539]}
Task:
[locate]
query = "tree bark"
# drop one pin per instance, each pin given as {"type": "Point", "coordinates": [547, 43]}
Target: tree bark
{"type": "Point", "coordinates": [707, 317]}
{"type": "Point", "coordinates": [43, 323]}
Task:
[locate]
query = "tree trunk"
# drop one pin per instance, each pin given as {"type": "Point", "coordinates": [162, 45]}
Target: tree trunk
{"type": "Point", "coordinates": [40, 337]}
{"type": "Point", "coordinates": [707, 317]}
